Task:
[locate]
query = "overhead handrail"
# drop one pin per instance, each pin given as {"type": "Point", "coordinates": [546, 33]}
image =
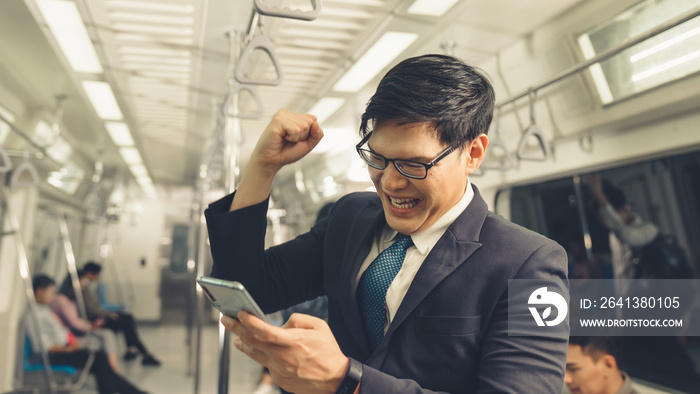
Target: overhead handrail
{"type": "Point", "coordinates": [243, 64]}
{"type": "Point", "coordinates": [533, 131]}
{"type": "Point", "coordinates": [23, 265]}
{"type": "Point", "coordinates": [231, 101]}
{"type": "Point", "coordinates": [25, 166]}
{"type": "Point", "coordinates": [630, 42]}
{"type": "Point", "coordinates": [278, 12]}
{"type": "Point", "coordinates": [5, 162]}
{"type": "Point", "coordinates": [497, 143]}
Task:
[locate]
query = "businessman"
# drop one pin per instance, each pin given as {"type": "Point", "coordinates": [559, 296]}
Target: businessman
{"type": "Point", "coordinates": [416, 274]}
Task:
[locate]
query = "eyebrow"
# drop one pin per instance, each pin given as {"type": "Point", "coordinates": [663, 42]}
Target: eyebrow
{"type": "Point", "coordinates": [423, 159]}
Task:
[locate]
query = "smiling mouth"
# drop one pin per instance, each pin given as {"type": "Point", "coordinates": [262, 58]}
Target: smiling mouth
{"type": "Point", "coordinates": [403, 203]}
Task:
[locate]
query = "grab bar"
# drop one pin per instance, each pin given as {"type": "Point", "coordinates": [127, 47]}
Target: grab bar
{"type": "Point", "coordinates": [263, 43]}
{"type": "Point", "coordinates": [289, 13]}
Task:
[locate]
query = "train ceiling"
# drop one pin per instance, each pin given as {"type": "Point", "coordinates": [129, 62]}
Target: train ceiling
{"type": "Point", "coordinates": [167, 60]}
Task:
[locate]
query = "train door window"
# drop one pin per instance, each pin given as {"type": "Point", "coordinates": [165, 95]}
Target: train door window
{"type": "Point", "coordinates": [4, 127]}
{"type": "Point", "coordinates": [662, 194]}
{"type": "Point", "coordinates": [658, 60]}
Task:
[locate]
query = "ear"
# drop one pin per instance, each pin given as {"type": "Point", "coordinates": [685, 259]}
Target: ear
{"type": "Point", "coordinates": [609, 362]}
{"type": "Point", "coordinates": [476, 152]}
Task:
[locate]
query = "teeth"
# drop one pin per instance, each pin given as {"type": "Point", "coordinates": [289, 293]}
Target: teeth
{"type": "Point", "coordinates": [403, 203]}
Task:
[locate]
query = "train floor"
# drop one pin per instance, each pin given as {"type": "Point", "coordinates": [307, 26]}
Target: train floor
{"type": "Point", "coordinates": [167, 342]}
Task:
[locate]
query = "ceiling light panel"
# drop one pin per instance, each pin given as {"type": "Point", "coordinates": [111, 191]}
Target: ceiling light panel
{"type": "Point", "coordinates": [153, 29]}
{"type": "Point", "coordinates": [151, 18]}
{"type": "Point", "coordinates": [151, 40]}
{"type": "Point", "coordinates": [431, 7]}
{"type": "Point", "coordinates": [326, 107]}
{"type": "Point", "coordinates": [150, 6]}
{"type": "Point", "coordinates": [130, 155]}
{"type": "Point", "coordinates": [67, 27]}
{"type": "Point", "coordinates": [120, 133]}
{"type": "Point", "coordinates": [382, 52]}
{"type": "Point", "coordinates": [102, 99]}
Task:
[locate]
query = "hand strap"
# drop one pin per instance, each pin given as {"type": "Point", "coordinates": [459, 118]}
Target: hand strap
{"type": "Point", "coordinates": [352, 378]}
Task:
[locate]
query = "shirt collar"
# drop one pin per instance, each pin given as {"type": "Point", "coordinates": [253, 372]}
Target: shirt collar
{"type": "Point", "coordinates": [426, 239]}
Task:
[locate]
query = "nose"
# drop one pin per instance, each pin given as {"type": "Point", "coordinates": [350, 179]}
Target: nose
{"type": "Point", "coordinates": [392, 178]}
{"type": "Point", "coordinates": [568, 379]}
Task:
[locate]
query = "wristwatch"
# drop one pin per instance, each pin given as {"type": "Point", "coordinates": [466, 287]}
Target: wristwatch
{"type": "Point", "coordinates": [352, 378]}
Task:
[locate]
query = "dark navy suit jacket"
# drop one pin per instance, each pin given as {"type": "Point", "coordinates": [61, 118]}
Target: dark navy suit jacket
{"type": "Point", "coordinates": [450, 333]}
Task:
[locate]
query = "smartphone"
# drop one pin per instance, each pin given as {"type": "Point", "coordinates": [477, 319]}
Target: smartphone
{"type": "Point", "coordinates": [229, 297]}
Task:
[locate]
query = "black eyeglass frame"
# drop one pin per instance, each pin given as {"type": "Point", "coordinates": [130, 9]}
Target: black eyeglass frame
{"type": "Point", "coordinates": [427, 166]}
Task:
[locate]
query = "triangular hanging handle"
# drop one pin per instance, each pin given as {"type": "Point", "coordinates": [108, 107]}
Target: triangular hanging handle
{"type": "Point", "coordinates": [498, 144]}
{"type": "Point", "coordinates": [227, 110]}
{"type": "Point", "coordinates": [28, 167]}
{"type": "Point", "coordinates": [243, 64]}
{"type": "Point", "coordinates": [507, 163]}
{"type": "Point", "coordinates": [5, 162]}
{"type": "Point", "coordinates": [533, 130]}
{"type": "Point", "coordinates": [288, 13]}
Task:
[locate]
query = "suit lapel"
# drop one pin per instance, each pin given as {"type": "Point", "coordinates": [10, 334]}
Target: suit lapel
{"type": "Point", "coordinates": [452, 250]}
{"type": "Point", "coordinates": [358, 245]}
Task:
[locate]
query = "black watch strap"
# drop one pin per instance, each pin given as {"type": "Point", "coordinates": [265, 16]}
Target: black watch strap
{"type": "Point", "coordinates": [352, 378]}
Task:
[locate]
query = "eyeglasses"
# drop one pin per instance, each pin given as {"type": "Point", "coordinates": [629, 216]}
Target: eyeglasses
{"type": "Point", "coordinates": [408, 168]}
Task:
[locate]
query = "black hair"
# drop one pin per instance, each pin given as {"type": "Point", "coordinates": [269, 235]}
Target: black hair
{"type": "Point", "coordinates": [92, 267]}
{"type": "Point", "coordinates": [454, 97]}
{"type": "Point", "coordinates": [615, 196]}
{"type": "Point", "coordinates": [599, 345]}
{"type": "Point", "coordinates": [67, 286]}
{"type": "Point", "coordinates": [42, 282]}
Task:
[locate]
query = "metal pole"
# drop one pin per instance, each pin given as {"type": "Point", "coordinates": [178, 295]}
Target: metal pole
{"type": "Point", "coordinates": [606, 55]}
{"type": "Point", "coordinates": [23, 265]}
{"type": "Point", "coordinates": [232, 130]}
{"type": "Point", "coordinates": [587, 243]}
{"type": "Point", "coordinates": [70, 262]}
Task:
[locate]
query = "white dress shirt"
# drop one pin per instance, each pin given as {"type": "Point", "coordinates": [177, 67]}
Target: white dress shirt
{"type": "Point", "coordinates": [423, 243]}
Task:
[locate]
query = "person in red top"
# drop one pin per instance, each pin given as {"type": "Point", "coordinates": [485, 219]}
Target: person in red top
{"type": "Point", "coordinates": [64, 349]}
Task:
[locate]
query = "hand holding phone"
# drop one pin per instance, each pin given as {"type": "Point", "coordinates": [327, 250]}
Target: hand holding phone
{"type": "Point", "coordinates": [229, 297]}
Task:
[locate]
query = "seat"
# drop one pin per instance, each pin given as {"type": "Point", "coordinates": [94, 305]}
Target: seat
{"type": "Point", "coordinates": [102, 294]}
{"type": "Point", "coordinates": [31, 374]}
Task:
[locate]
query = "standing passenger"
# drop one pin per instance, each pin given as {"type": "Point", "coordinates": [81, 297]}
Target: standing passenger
{"type": "Point", "coordinates": [416, 274]}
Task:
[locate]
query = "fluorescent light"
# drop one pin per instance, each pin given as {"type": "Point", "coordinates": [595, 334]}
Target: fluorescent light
{"type": "Point", "coordinates": [336, 139]}
{"type": "Point", "coordinates": [68, 28]}
{"type": "Point", "coordinates": [431, 7]}
{"type": "Point", "coordinates": [383, 52]}
{"type": "Point", "coordinates": [326, 107]}
{"type": "Point", "coordinates": [668, 43]}
{"type": "Point", "coordinates": [137, 17]}
{"type": "Point", "coordinates": [138, 170]}
{"type": "Point", "coordinates": [5, 127]}
{"type": "Point", "coordinates": [130, 155]}
{"type": "Point", "coordinates": [584, 42]}
{"type": "Point", "coordinates": [102, 98]}
{"type": "Point", "coordinates": [120, 134]}
{"type": "Point", "coordinates": [153, 29]}
{"type": "Point", "coordinates": [150, 6]}
{"type": "Point", "coordinates": [666, 66]}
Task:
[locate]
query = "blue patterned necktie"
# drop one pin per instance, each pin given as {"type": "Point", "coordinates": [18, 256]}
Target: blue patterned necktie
{"type": "Point", "coordinates": [374, 283]}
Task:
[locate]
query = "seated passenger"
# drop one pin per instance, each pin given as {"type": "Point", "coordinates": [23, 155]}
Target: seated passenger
{"type": "Point", "coordinates": [92, 335]}
{"type": "Point", "coordinates": [116, 321]}
{"type": "Point", "coordinates": [592, 367]}
{"type": "Point", "coordinates": [64, 349]}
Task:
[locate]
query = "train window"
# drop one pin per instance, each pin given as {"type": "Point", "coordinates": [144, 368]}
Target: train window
{"type": "Point", "coordinates": [68, 178]}
{"type": "Point", "coordinates": [658, 60]}
{"type": "Point", "coordinates": [662, 194]}
{"type": "Point", "coordinates": [4, 127]}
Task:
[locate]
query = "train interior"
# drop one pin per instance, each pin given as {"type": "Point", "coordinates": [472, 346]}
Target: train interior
{"type": "Point", "coordinates": [121, 120]}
